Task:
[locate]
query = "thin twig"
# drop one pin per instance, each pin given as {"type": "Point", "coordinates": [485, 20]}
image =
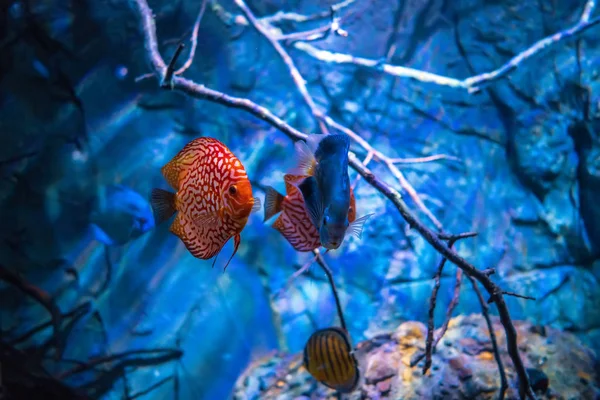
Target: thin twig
{"type": "Point", "coordinates": [493, 297]}
{"type": "Point", "coordinates": [420, 160]}
{"type": "Point", "coordinates": [327, 271]}
{"type": "Point", "coordinates": [151, 388]}
{"type": "Point", "coordinates": [175, 353]}
{"type": "Point", "coordinates": [430, 343]}
{"type": "Point", "coordinates": [281, 16]}
{"type": "Point", "coordinates": [80, 309]}
{"type": "Point", "coordinates": [167, 81]}
{"type": "Point", "coordinates": [294, 276]}
{"type": "Point", "coordinates": [297, 78]}
{"type": "Point", "coordinates": [43, 298]}
{"type": "Point", "coordinates": [194, 40]}
{"type": "Point", "coordinates": [195, 90]}
{"type": "Point", "coordinates": [454, 238]}
{"type": "Point", "coordinates": [486, 315]}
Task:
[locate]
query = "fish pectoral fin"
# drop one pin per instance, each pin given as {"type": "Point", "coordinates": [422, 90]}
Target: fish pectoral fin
{"type": "Point", "coordinates": [273, 200]}
{"type": "Point", "coordinates": [206, 218]}
{"type": "Point", "coordinates": [163, 204]}
{"type": "Point", "coordinates": [312, 199]}
{"type": "Point", "coordinates": [356, 227]}
{"type": "Point", "coordinates": [257, 204]}
{"type": "Point", "coordinates": [305, 159]}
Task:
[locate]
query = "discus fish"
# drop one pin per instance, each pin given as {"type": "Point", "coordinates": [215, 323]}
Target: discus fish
{"type": "Point", "coordinates": [323, 159]}
{"type": "Point", "coordinates": [120, 214]}
{"type": "Point", "coordinates": [294, 222]}
{"type": "Point", "coordinates": [213, 198]}
{"type": "Point", "coordinates": [330, 359]}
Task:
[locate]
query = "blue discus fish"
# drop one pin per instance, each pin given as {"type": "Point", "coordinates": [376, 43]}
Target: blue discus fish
{"type": "Point", "coordinates": [323, 159]}
{"type": "Point", "coordinates": [120, 214]}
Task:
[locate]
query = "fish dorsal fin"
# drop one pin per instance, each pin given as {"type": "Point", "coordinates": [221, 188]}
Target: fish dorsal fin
{"type": "Point", "coordinates": [256, 205]}
{"type": "Point", "coordinates": [305, 159]}
{"type": "Point", "coordinates": [313, 141]}
{"type": "Point", "coordinates": [355, 228]}
{"type": "Point", "coordinates": [312, 199]}
{"type": "Point", "coordinates": [175, 170]}
{"type": "Point", "coordinates": [292, 182]}
{"type": "Point", "coordinates": [273, 200]}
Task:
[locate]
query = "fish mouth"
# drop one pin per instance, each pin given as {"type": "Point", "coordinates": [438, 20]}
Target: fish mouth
{"type": "Point", "coordinates": [332, 245]}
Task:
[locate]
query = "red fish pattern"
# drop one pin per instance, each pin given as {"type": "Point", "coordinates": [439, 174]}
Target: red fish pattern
{"type": "Point", "coordinates": [294, 223]}
{"type": "Point", "coordinates": [213, 198]}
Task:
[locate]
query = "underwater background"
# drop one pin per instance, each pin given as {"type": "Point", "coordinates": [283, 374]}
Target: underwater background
{"type": "Point", "coordinates": [86, 128]}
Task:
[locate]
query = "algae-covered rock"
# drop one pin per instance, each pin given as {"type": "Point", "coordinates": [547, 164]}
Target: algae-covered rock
{"type": "Point", "coordinates": [463, 366]}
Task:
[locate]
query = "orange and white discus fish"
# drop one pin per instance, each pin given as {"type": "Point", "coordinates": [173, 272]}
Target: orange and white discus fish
{"type": "Point", "coordinates": [213, 198]}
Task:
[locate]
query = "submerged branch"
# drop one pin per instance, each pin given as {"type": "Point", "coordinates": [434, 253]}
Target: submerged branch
{"type": "Point", "coordinates": [42, 297]}
{"type": "Point", "coordinates": [327, 271]}
{"type": "Point", "coordinates": [473, 83]}
{"type": "Point", "coordinates": [430, 343]}
{"type": "Point", "coordinates": [488, 321]}
{"type": "Point", "coordinates": [201, 92]}
{"type": "Point", "coordinates": [91, 364]}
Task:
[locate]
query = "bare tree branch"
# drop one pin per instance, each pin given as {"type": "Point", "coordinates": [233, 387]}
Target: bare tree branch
{"type": "Point", "coordinates": [430, 343]}
{"type": "Point", "coordinates": [473, 83]}
{"type": "Point", "coordinates": [321, 117]}
{"type": "Point", "coordinates": [486, 315]}
{"type": "Point", "coordinates": [338, 304]}
{"type": "Point", "coordinates": [85, 366]}
{"type": "Point", "coordinates": [41, 297]}
{"type": "Point", "coordinates": [201, 92]}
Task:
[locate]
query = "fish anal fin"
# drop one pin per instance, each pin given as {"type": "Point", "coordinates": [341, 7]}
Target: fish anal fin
{"type": "Point", "coordinates": [273, 201]}
{"type": "Point", "coordinates": [163, 204]}
{"type": "Point", "coordinates": [278, 224]}
{"type": "Point", "coordinates": [177, 228]}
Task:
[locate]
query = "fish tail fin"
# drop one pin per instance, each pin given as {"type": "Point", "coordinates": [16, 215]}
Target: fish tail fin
{"type": "Point", "coordinates": [356, 226]}
{"type": "Point", "coordinates": [306, 161]}
{"type": "Point", "coordinates": [273, 200]}
{"type": "Point", "coordinates": [163, 204]}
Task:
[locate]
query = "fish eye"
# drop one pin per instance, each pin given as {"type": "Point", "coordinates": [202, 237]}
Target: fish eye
{"type": "Point", "coordinates": [232, 190]}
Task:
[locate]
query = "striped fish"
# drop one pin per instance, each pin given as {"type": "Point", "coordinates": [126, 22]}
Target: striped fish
{"type": "Point", "coordinates": [213, 198]}
{"type": "Point", "coordinates": [294, 223]}
{"type": "Point", "coordinates": [329, 358]}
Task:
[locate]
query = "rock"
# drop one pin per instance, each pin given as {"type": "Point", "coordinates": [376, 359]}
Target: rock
{"type": "Point", "coordinates": [463, 366]}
